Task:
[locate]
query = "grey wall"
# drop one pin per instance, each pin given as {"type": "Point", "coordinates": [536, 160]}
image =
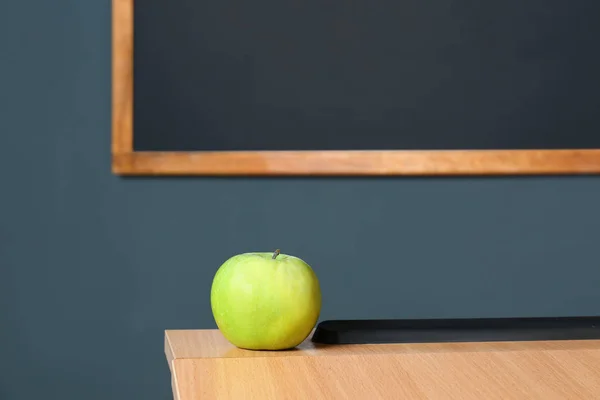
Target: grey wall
{"type": "Point", "coordinates": [93, 267]}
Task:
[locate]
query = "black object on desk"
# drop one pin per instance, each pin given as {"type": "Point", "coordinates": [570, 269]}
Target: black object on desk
{"type": "Point", "coordinates": [456, 330]}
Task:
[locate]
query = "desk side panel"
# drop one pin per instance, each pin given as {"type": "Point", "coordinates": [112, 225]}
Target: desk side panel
{"type": "Point", "coordinates": [505, 375]}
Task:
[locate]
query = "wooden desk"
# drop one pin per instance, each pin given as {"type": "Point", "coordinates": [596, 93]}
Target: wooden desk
{"type": "Point", "coordinates": [205, 366]}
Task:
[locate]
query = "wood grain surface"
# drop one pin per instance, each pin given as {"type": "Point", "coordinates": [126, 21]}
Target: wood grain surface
{"type": "Point", "coordinates": [358, 163]}
{"type": "Point", "coordinates": [205, 366]}
{"type": "Point", "coordinates": [122, 77]}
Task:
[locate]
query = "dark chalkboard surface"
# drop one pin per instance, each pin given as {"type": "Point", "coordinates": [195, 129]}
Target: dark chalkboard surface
{"type": "Point", "coordinates": [366, 75]}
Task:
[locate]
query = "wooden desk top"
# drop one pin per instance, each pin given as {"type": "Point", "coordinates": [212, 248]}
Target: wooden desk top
{"type": "Point", "coordinates": [502, 370]}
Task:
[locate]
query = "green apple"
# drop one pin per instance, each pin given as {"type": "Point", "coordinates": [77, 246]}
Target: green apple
{"type": "Point", "coordinates": [265, 301]}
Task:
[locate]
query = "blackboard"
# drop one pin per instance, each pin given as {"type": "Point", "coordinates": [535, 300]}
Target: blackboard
{"type": "Point", "coordinates": [375, 87]}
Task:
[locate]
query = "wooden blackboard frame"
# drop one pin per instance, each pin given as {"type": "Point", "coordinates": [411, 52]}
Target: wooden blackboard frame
{"type": "Point", "coordinates": [126, 161]}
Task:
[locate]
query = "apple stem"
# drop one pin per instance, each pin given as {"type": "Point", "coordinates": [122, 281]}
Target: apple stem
{"type": "Point", "coordinates": [275, 254]}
